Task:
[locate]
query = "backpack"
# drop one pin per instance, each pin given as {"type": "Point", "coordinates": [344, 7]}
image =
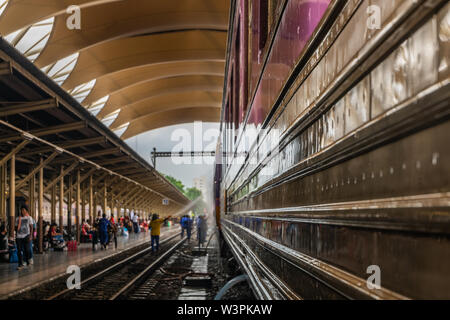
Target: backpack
{"type": "Point", "coordinates": [13, 258]}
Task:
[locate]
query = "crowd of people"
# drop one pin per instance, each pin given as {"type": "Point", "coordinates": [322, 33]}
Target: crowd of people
{"type": "Point", "coordinates": [102, 230]}
{"type": "Point", "coordinates": [187, 223]}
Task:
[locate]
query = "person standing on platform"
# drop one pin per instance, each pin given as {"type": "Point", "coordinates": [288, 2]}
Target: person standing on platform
{"type": "Point", "coordinates": [24, 235]}
{"type": "Point", "coordinates": [155, 225]}
{"type": "Point", "coordinates": [136, 223]}
{"type": "Point", "coordinates": [103, 225]}
{"type": "Point", "coordinates": [201, 230]}
{"type": "Point", "coordinates": [189, 223]}
{"type": "Point", "coordinates": [113, 231]}
{"type": "Point", "coordinates": [95, 233]}
{"type": "Point", "coordinates": [183, 223]}
{"type": "Point", "coordinates": [32, 237]}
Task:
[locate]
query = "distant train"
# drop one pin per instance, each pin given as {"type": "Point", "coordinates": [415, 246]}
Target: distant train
{"type": "Point", "coordinates": [332, 175]}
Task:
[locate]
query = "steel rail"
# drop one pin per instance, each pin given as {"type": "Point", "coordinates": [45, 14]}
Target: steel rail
{"type": "Point", "coordinates": [111, 268]}
{"type": "Point", "coordinates": [147, 270]}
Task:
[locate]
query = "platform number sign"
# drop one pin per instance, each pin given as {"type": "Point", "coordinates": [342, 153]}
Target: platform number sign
{"type": "Point", "coordinates": [165, 202]}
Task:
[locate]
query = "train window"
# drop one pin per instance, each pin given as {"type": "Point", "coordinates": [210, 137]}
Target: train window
{"type": "Point", "coordinates": [237, 84]}
{"type": "Point", "coordinates": [263, 23]}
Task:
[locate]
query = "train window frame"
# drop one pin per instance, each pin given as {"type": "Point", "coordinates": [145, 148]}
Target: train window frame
{"type": "Point", "coordinates": [263, 24]}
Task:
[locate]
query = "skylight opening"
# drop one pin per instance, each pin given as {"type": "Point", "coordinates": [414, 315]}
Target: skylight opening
{"type": "Point", "coordinates": [3, 5]}
{"type": "Point", "coordinates": [120, 130]}
{"type": "Point", "coordinates": [109, 119]}
{"type": "Point", "coordinates": [98, 105]}
{"type": "Point", "coordinates": [31, 40]}
{"type": "Point", "coordinates": [61, 70]}
{"type": "Point", "coordinates": [83, 90]}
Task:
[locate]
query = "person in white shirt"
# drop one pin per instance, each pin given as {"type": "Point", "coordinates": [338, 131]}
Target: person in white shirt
{"type": "Point", "coordinates": [136, 223]}
{"type": "Point", "coordinates": [24, 235]}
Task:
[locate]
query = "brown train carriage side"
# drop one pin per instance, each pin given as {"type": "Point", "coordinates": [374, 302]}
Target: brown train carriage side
{"type": "Point", "coordinates": [341, 109]}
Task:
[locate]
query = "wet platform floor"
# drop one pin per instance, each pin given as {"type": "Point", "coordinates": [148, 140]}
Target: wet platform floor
{"type": "Point", "coordinates": [55, 263]}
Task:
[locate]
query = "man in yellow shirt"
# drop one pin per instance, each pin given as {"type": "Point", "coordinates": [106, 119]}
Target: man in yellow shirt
{"type": "Point", "coordinates": [155, 225]}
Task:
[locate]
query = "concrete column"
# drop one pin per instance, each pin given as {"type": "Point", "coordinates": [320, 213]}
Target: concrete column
{"type": "Point", "coordinates": [12, 195]}
{"type": "Point", "coordinates": [41, 209]}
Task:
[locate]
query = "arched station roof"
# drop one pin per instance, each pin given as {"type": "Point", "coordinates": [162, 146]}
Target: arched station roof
{"type": "Point", "coordinates": [146, 61]}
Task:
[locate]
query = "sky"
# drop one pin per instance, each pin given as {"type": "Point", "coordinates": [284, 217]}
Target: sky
{"type": "Point", "coordinates": [185, 137]}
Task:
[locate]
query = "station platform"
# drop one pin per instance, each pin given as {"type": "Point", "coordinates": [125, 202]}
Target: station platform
{"type": "Point", "coordinates": [53, 264]}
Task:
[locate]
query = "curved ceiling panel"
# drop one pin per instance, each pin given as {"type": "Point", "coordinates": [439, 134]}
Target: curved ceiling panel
{"type": "Point", "coordinates": [161, 103]}
{"type": "Point", "coordinates": [160, 87]}
{"type": "Point", "coordinates": [120, 80]}
{"type": "Point", "coordinates": [131, 18]}
{"type": "Point", "coordinates": [168, 118]}
{"type": "Point", "coordinates": [33, 11]}
{"type": "Point", "coordinates": [132, 61]}
{"type": "Point", "coordinates": [125, 53]}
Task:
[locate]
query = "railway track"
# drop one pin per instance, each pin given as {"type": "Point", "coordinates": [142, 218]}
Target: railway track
{"type": "Point", "coordinates": [120, 278]}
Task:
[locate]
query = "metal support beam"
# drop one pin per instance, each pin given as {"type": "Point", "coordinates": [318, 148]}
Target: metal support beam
{"type": "Point", "coordinates": [61, 199]}
{"type": "Point", "coordinates": [84, 177]}
{"type": "Point", "coordinates": [5, 68]}
{"type": "Point", "coordinates": [100, 153]}
{"type": "Point", "coordinates": [53, 204]}
{"type": "Point", "coordinates": [48, 130]}
{"type": "Point", "coordinates": [98, 180]}
{"type": "Point", "coordinates": [28, 107]}
{"type": "Point", "coordinates": [133, 197]}
{"type": "Point", "coordinates": [36, 169]}
{"type": "Point", "coordinates": [95, 204]}
{"type": "Point", "coordinates": [141, 172]}
{"type": "Point", "coordinates": [118, 187]}
{"type": "Point", "coordinates": [83, 201]}
{"type": "Point", "coordinates": [112, 161]}
{"type": "Point", "coordinates": [78, 208]}
{"type": "Point", "coordinates": [111, 204]}
{"type": "Point", "coordinates": [14, 151]}
{"type": "Point", "coordinates": [41, 209]}
{"type": "Point", "coordinates": [88, 155]}
{"type": "Point", "coordinates": [91, 200]}
{"type": "Point", "coordinates": [69, 205]}
{"type": "Point", "coordinates": [126, 166]}
{"type": "Point", "coordinates": [65, 145]}
{"type": "Point", "coordinates": [104, 199]}
{"type": "Point", "coordinates": [12, 195]}
{"type": "Point", "coordinates": [140, 203]}
{"type": "Point", "coordinates": [124, 194]}
{"type": "Point", "coordinates": [32, 195]}
{"type": "Point", "coordinates": [65, 172]}
{"type": "Point", "coordinates": [3, 170]}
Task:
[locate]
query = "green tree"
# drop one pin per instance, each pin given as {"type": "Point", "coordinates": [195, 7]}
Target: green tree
{"type": "Point", "coordinates": [177, 183]}
{"type": "Point", "coordinates": [193, 193]}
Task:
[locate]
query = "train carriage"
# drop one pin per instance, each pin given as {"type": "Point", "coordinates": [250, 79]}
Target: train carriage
{"type": "Point", "coordinates": [332, 174]}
